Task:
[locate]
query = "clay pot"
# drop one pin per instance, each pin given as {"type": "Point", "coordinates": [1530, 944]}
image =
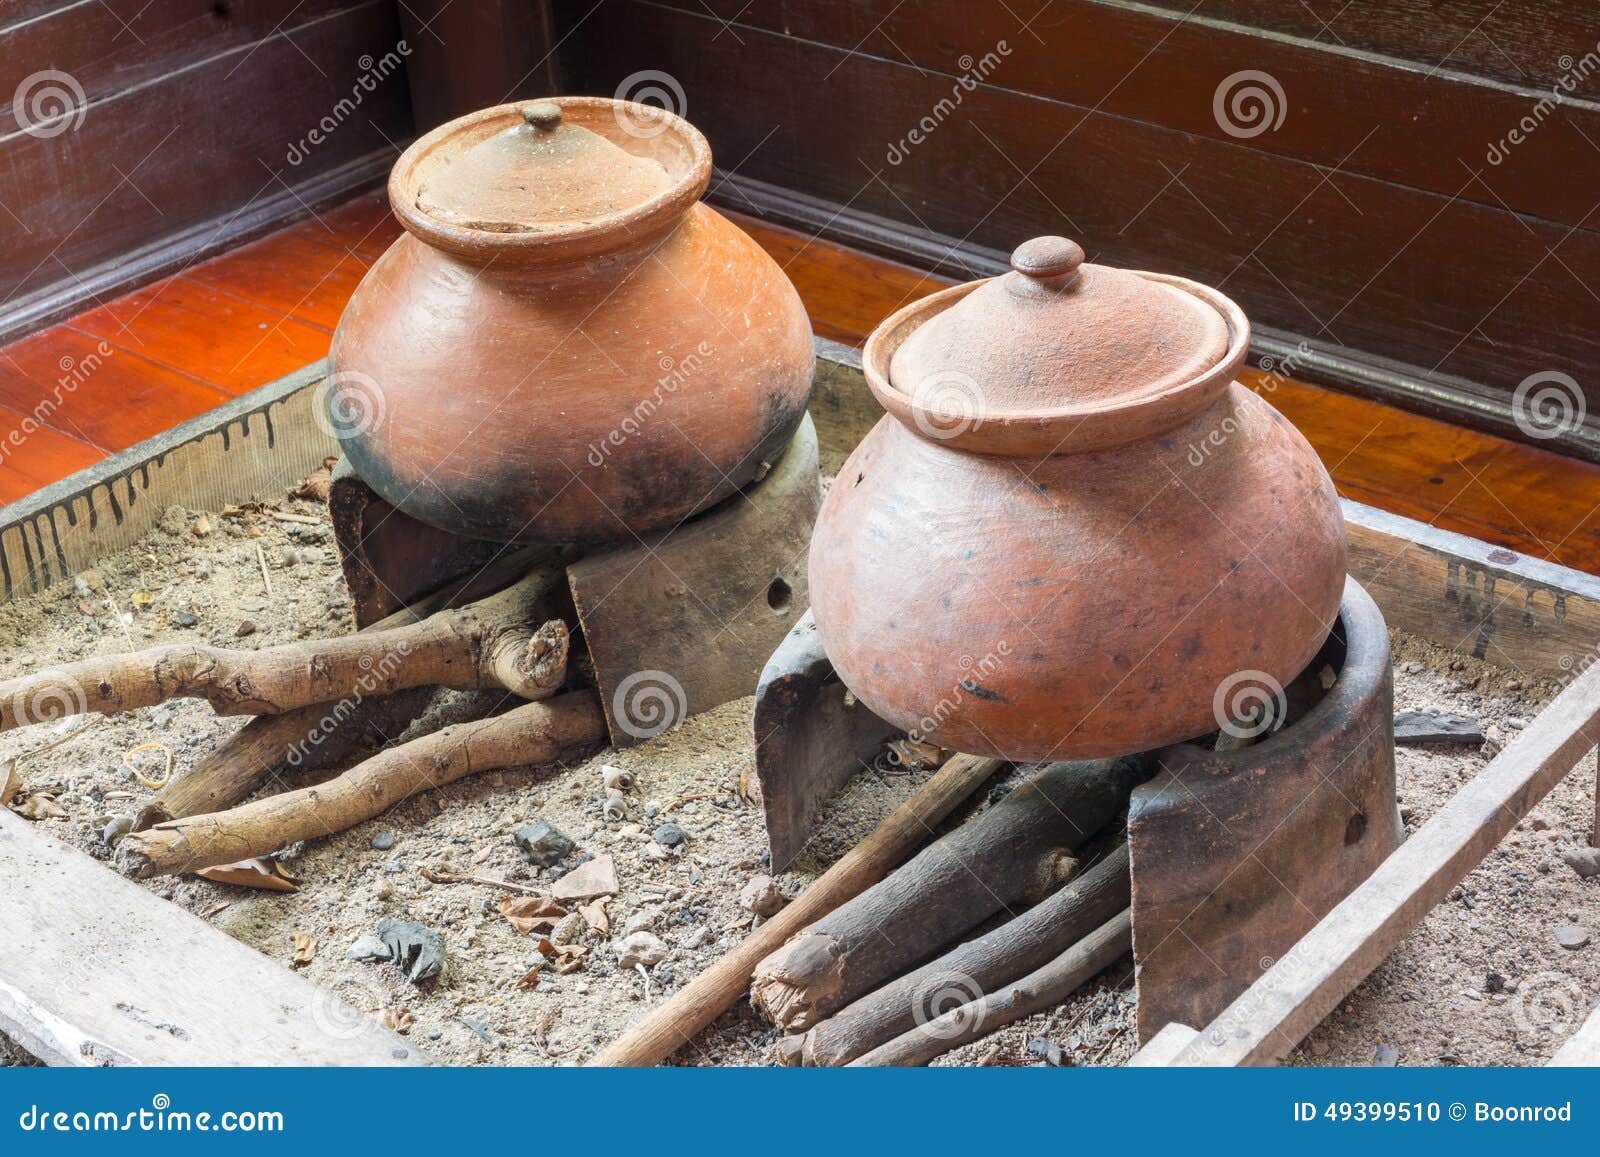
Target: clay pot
{"type": "Point", "coordinates": [565, 346]}
{"type": "Point", "coordinates": [1074, 534]}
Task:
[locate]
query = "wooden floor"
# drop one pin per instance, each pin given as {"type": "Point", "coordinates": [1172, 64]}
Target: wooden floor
{"type": "Point", "coordinates": [111, 377]}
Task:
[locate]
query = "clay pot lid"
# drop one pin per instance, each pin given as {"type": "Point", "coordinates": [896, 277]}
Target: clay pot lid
{"type": "Point", "coordinates": [1056, 356]}
{"type": "Point", "coordinates": [551, 180]}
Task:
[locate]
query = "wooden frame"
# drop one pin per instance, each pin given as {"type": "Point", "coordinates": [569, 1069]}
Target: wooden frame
{"type": "Point", "coordinates": [1453, 590]}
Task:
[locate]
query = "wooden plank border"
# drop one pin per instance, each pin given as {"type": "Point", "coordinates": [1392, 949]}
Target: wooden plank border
{"type": "Point", "coordinates": [248, 448]}
{"type": "Point", "coordinates": [103, 972]}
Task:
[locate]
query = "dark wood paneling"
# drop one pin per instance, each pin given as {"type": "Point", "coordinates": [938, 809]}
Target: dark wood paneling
{"type": "Point", "coordinates": [1419, 127]}
{"type": "Point", "coordinates": [1432, 278]}
{"type": "Point", "coordinates": [110, 46]}
{"type": "Point", "coordinates": [1523, 42]}
{"type": "Point", "coordinates": [476, 55]}
{"type": "Point", "coordinates": [210, 142]}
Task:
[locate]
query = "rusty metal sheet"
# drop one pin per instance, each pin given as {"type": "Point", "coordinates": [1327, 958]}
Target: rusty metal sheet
{"type": "Point", "coordinates": [683, 621]}
{"type": "Point", "coordinates": [1235, 855]}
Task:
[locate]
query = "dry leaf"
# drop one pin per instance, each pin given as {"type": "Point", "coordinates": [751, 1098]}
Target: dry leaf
{"type": "Point", "coordinates": [529, 979]}
{"type": "Point", "coordinates": [594, 915]}
{"type": "Point", "coordinates": [531, 913]}
{"type": "Point", "coordinates": [396, 1019]}
{"type": "Point", "coordinates": [37, 806]}
{"type": "Point", "coordinates": [142, 598]}
{"type": "Point", "coordinates": [305, 947]}
{"type": "Point", "coordinates": [257, 873]}
{"type": "Point", "coordinates": [914, 753]}
{"type": "Point", "coordinates": [10, 781]}
{"type": "Point", "coordinates": [483, 853]}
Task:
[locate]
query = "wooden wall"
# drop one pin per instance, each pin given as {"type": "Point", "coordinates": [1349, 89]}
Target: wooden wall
{"type": "Point", "coordinates": [1381, 217]}
{"type": "Point", "coordinates": [188, 127]}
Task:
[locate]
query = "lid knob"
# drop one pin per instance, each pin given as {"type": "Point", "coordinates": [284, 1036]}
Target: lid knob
{"type": "Point", "coordinates": [544, 115]}
{"type": "Point", "coordinates": [1049, 260]}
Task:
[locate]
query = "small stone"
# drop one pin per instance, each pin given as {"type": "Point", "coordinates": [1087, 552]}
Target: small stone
{"type": "Point", "coordinates": [201, 527]}
{"type": "Point", "coordinates": [1515, 723]}
{"type": "Point", "coordinates": [641, 921]}
{"type": "Point", "coordinates": [597, 877]}
{"type": "Point", "coordinates": [641, 948]}
{"type": "Point", "coordinates": [1584, 861]}
{"type": "Point", "coordinates": [1494, 982]}
{"type": "Point", "coordinates": [1319, 1048]}
{"type": "Point", "coordinates": [655, 853]}
{"type": "Point", "coordinates": [383, 841]}
{"type": "Point", "coordinates": [1538, 821]}
{"type": "Point", "coordinates": [1544, 867]}
{"type": "Point", "coordinates": [1571, 937]}
{"type": "Point", "coordinates": [568, 930]}
{"type": "Point", "coordinates": [245, 628]}
{"type": "Point", "coordinates": [762, 896]}
{"type": "Point", "coordinates": [383, 889]}
{"type": "Point", "coordinates": [1436, 727]}
{"type": "Point", "coordinates": [1386, 1056]}
{"type": "Point", "coordinates": [418, 951]}
{"type": "Point", "coordinates": [369, 948]}
{"type": "Point", "coordinates": [670, 835]}
{"type": "Point", "coordinates": [118, 827]}
{"type": "Point", "coordinates": [630, 830]}
{"type": "Point", "coordinates": [542, 843]}
{"type": "Point", "coordinates": [289, 556]}
{"type": "Point", "coordinates": [174, 520]}
{"type": "Point", "coordinates": [183, 618]}
{"type": "Point", "coordinates": [695, 937]}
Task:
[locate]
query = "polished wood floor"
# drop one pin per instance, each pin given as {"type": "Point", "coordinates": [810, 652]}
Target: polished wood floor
{"type": "Point", "coordinates": [107, 379]}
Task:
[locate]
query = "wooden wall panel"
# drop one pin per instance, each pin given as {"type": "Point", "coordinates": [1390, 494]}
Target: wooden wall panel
{"type": "Point", "coordinates": [1368, 224]}
{"type": "Point", "coordinates": [197, 130]}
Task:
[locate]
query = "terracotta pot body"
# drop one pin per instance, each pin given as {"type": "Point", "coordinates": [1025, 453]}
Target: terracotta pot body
{"type": "Point", "coordinates": [598, 375]}
{"type": "Point", "coordinates": [1101, 571]}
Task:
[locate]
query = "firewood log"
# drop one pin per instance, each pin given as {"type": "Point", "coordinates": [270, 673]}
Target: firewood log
{"type": "Point", "coordinates": [498, 641]}
{"type": "Point", "coordinates": [971, 970]}
{"type": "Point", "coordinates": [532, 733]}
{"type": "Point", "coordinates": [1015, 853]}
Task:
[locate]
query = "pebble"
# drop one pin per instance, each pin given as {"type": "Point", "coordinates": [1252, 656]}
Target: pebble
{"type": "Point", "coordinates": [1386, 1056]}
{"type": "Point", "coordinates": [542, 843]}
{"type": "Point", "coordinates": [655, 853]}
{"type": "Point", "coordinates": [696, 937]}
{"type": "Point", "coordinates": [1538, 821]}
{"type": "Point", "coordinates": [245, 628]}
{"type": "Point", "coordinates": [670, 835]}
{"type": "Point", "coordinates": [383, 841]}
{"type": "Point", "coordinates": [184, 618]}
{"type": "Point", "coordinates": [641, 948]}
{"type": "Point", "coordinates": [1584, 861]}
{"type": "Point", "coordinates": [383, 889]}
{"type": "Point", "coordinates": [641, 921]}
{"type": "Point", "coordinates": [118, 827]}
{"type": "Point", "coordinates": [1571, 937]}
{"type": "Point", "coordinates": [762, 896]}
{"type": "Point", "coordinates": [568, 929]}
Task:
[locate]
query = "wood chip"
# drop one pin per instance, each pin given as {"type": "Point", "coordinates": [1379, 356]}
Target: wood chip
{"type": "Point", "coordinates": [305, 947]}
{"type": "Point", "coordinates": [531, 913]}
{"type": "Point", "coordinates": [261, 873]}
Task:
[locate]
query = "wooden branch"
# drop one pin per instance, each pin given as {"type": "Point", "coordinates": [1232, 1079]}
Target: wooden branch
{"type": "Point", "coordinates": [494, 642]}
{"type": "Point", "coordinates": [1017, 852]}
{"type": "Point", "coordinates": [1039, 990]}
{"type": "Point", "coordinates": [701, 1001]}
{"type": "Point", "coordinates": [306, 741]}
{"type": "Point", "coordinates": [532, 733]}
{"type": "Point", "coordinates": [969, 971]}
{"type": "Point", "coordinates": [1305, 984]}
